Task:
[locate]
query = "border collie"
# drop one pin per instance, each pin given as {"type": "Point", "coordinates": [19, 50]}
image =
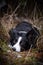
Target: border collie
{"type": "Point", "coordinates": [23, 36]}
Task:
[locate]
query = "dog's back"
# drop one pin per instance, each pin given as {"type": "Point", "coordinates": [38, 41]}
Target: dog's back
{"type": "Point", "coordinates": [23, 26]}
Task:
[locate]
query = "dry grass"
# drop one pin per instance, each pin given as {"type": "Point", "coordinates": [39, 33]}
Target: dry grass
{"type": "Point", "coordinates": [7, 55]}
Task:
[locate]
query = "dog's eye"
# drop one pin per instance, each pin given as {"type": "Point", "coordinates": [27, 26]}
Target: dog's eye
{"type": "Point", "coordinates": [15, 41]}
{"type": "Point", "coordinates": [20, 42]}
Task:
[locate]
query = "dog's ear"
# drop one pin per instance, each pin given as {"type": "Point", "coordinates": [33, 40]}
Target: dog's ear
{"type": "Point", "coordinates": [37, 31]}
{"type": "Point", "coordinates": [28, 33]}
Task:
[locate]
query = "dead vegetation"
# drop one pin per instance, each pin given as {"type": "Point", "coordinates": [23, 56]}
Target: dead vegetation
{"type": "Point", "coordinates": [7, 55]}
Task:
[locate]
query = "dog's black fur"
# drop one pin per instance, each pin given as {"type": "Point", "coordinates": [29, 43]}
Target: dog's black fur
{"type": "Point", "coordinates": [29, 37]}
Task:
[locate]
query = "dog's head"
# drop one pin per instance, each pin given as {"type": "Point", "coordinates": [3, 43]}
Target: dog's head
{"type": "Point", "coordinates": [19, 40]}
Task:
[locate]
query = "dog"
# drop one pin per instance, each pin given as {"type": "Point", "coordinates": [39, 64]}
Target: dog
{"type": "Point", "coordinates": [23, 36]}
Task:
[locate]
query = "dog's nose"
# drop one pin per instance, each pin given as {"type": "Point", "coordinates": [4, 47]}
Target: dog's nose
{"type": "Point", "coordinates": [14, 49]}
